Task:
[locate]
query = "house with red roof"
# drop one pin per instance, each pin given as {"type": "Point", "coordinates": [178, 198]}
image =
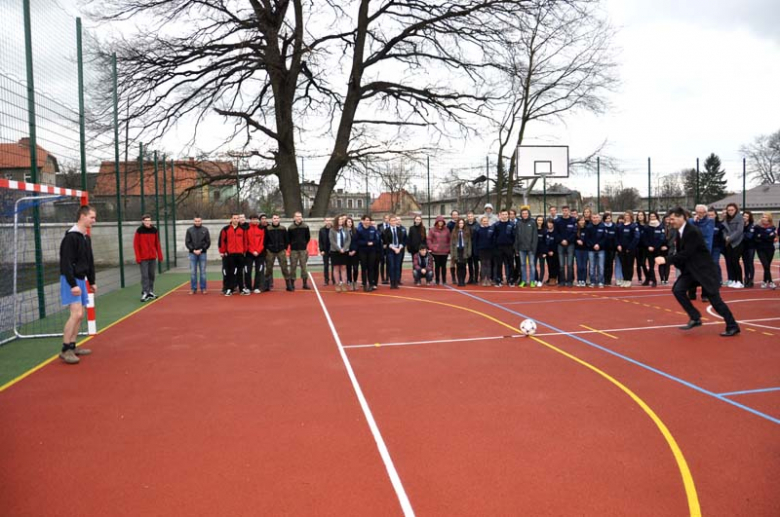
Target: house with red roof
{"type": "Point", "coordinates": [399, 203]}
{"type": "Point", "coordinates": [16, 163]}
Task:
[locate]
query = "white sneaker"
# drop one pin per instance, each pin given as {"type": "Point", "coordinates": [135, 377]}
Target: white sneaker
{"type": "Point", "coordinates": [256, 291]}
{"type": "Point", "coordinates": [730, 284]}
{"type": "Point", "coordinates": [601, 286]}
{"type": "Point", "coordinates": [738, 285]}
{"type": "Point", "coordinates": [772, 285]}
{"type": "Point", "coordinates": [538, 284]}
{"type": "Point", "coordinates": [228, 293]}
{"type": "Point", "coordinates": [763, 285]}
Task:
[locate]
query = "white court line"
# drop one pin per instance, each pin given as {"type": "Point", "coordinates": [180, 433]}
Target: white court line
{"type": "Point", "coordinates": [406, 506]}
{"type": "Point", "coordinates": [545, 334]}
{"type": "Point", "coordinates": [712, 312]}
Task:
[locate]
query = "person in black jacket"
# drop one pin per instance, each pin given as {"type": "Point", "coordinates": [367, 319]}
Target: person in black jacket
{"type": "Point", "coordinates": [324, 243]}
{"type": "Point", "coordinates": [299, 235]}
{"type": "Point", "coordinates": [197, 242]}
{"type": "Point", "coordinates": [77, 267]}
{"type": "Point", "coordinates": [473, 264]}
{"type": "Point", "coordinates": [696, 266]}
{"type": "Point", "coordinates": [381, 267]}
{"type": "Point", "coordinates": [394, 241]}
{"type": "Point", "coordinates": [276, 242]}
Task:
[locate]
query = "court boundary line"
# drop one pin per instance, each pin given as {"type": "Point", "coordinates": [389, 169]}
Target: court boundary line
{"type": "Point", "coordinates": [749, 392]}
{"type": "Point", "coordinates": [712, 312]}
{"type": "Point", "coordinates": [384, 453]}
{"type": "Point", "coordinates": [40, 365]}
{"type": "Point", "coordinates": [691, 494]}
{"type": "Point", "coordinates": [543, 334]}
{"type": "Point", "coordinates": [630, 360]}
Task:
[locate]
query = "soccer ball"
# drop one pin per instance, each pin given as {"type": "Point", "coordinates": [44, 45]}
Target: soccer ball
{"type": "Point", "coordinates": [528, 327]}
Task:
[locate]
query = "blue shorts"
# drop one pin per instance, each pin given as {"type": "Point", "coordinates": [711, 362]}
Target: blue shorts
{"type": "Point", "coordinates": [68, 297]}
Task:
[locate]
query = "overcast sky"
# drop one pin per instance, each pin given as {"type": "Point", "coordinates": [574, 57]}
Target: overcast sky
{"type": "Point", "coordinates": [697, 77]}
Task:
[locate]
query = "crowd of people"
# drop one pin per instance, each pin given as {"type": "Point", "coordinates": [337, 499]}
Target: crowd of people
{"type": "Point", "coordinates": [505, 249]}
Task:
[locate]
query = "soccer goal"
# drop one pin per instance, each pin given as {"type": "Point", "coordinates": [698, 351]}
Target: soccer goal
{"type": "Point", "coordinates": [33, 220]}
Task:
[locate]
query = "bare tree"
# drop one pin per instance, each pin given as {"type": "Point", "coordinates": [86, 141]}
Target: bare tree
{"type": "Point", "coordinates": [271, 68]}
{"type": "Point", "coordinates": [619, 198]}
{"type": "Point", "coordinates": [558, 60]}
{"type": "Point", "coordinates": [764, 158]}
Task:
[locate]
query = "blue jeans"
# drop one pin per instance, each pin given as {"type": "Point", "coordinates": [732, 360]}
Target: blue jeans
{"type": "Point", "coordinates": [596, 259]}
{"type": "Point", "coordinates": [618, 269]}
{"type": "Point", "coordinates": [529, 274]}
{"type": "Point", "coordinates": [582, 265]}
{"type": "Point", "coordinates": [715, 253]}
{"type": "Point", "coordinates": [566, 257]}
{"type": "Point", "coordinates": [196, 262]}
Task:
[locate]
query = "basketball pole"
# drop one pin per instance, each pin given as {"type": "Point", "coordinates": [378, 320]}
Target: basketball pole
{"type": "Point", "coordinates": [744, 183]}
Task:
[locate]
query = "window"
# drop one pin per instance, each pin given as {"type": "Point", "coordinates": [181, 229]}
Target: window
{"type": "Point", "coordinates": [442, 210]}
{"type": "Point", "coordinates": [349, 203]}
{"type": "Point", "coordinates": [339, 203]}
{"type": "Point", "coordinates": [360, 203]}
{"type": "Point", "coordinates": [217, 195]}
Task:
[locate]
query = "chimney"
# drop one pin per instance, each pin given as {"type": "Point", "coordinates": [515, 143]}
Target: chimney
{"type": "Point", "coordinates": [24, 142]}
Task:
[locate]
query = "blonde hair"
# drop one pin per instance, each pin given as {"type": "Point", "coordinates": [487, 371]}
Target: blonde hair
{"type": "Point", "coordinates": [768, 216]}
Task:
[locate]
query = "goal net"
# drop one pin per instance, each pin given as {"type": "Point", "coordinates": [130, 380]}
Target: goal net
{"type": "Point", "coordinates": [33, 221]}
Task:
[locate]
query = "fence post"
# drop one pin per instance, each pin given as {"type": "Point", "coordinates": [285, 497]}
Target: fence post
{"type": "Point", "coordinates": [649, 188]}
{"type": "Point", "coordinates": [429, 191]}
{"type": "Point", "coordinates": [116, 171]}
{"type": "Point", "coordinates": [165, 212]}
{"type": "Point", "coordinates": [697, 181]}
{"type": "Point", "coordinates": [141, 177]}
{"type": "Point", "coordinates": [173, 203]}
{"type": "Point", "coordinates": [598, 185]}
{"type": "Point", "coordinates": [744, 183]}
{"type": "Point", "coordinates": [33, 157]}
{"type": "Point", "coordinates": [157, 204]}
{"type": "Point", "coordinates": [544, 195]}
{"type": "Point", "coordinates": [82, 129]}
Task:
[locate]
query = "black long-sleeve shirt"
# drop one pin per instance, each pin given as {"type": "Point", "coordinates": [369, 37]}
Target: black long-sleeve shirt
{"type": "Point", "coordinates": [76, 259]}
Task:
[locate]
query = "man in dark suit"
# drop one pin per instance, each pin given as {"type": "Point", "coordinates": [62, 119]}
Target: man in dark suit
{"type": "Point", "coordinates": [694, 261]}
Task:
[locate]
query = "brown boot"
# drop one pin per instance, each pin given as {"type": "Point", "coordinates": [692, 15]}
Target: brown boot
{"type": "Point", "coordinates": [69, 357]}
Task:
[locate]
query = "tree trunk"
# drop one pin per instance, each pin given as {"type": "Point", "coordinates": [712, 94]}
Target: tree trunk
{"type": "Point", "coordinates": [339, 156]}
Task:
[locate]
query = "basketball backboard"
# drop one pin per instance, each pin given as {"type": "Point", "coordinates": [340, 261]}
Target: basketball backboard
{"type": "Point", "coordinates": [543, 161]}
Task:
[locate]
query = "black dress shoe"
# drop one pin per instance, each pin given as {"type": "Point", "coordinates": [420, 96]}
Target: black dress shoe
{"type": "Point", "coordinates": [691, 324]}
{"type": "Point", "coordinates": [730, 332]}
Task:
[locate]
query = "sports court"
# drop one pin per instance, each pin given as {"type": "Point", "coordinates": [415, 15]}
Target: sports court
{"type": "Point", "coordinates": [420, 401]}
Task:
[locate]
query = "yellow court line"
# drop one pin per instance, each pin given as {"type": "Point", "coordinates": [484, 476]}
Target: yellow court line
{"type": "Point", "coordinates": [598, 331]}
{"type": "Point", "coordinates": [694, 508]}
{"type": "Point", "coordinates": [86, 339]}
{"type": "Point", "coordinates": [767, 334]}
{"type": "Point", "coordinates": [750, 329]}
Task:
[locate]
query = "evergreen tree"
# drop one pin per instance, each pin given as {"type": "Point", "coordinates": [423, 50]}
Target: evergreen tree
{"type": "Point", "coordinates": [712, 181]}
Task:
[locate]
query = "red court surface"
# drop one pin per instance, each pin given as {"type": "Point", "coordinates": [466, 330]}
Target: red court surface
{"type": "Point", "coordinates": [246, 406]}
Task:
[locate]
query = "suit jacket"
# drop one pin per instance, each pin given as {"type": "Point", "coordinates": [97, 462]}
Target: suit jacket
{"type": "Point", "coordinates": [694, 259]}
{"type": "Point", "coordinates": [387, 236]}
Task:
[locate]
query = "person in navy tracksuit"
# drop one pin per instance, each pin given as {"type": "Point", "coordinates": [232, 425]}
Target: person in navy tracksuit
{"type": "Point", "coordinates": [566, 235]}
{"type": "Point", "coordinates": [595, 241]}
{"type": "Point", "coordinates": [581, 252]}
{"type": "Point", "coordinates": [505, 244]}
{"type": "Point", "coordinates": [627, 242]}
{"type": "Point", "coordinates": [550, 240]}
{"type": "Point", "coordinates": [369, 244]}
{"type": "Point", "coordinates": [541, 249]}
{"type": "Point", "coordinates": [610, 243]}
{"type": "Point", "coordinates": [766, 235]}
{"type": "Point", "coordinates": [749, 249]}
{"type": "Point", "coordinates": [654, 238]}
{"type": "Point", "coordinates": [484, 242]}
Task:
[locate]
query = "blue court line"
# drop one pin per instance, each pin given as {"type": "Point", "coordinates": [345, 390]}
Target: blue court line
{"type": "Point", "coordinates": [748, 392]}
{"type": "Point", "coordinates": [626, 358]}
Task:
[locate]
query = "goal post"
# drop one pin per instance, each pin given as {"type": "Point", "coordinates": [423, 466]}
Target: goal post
{"type": "Point", "coordinates": [30, 301]}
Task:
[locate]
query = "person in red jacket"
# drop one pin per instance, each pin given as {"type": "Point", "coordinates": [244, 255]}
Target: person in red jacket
{"type": "Point", "coordinates": [255, 255]}
{"type": "Point", "coordinates": [148, 251]}
{"type": "Point", "coordinates": [232, 246]}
